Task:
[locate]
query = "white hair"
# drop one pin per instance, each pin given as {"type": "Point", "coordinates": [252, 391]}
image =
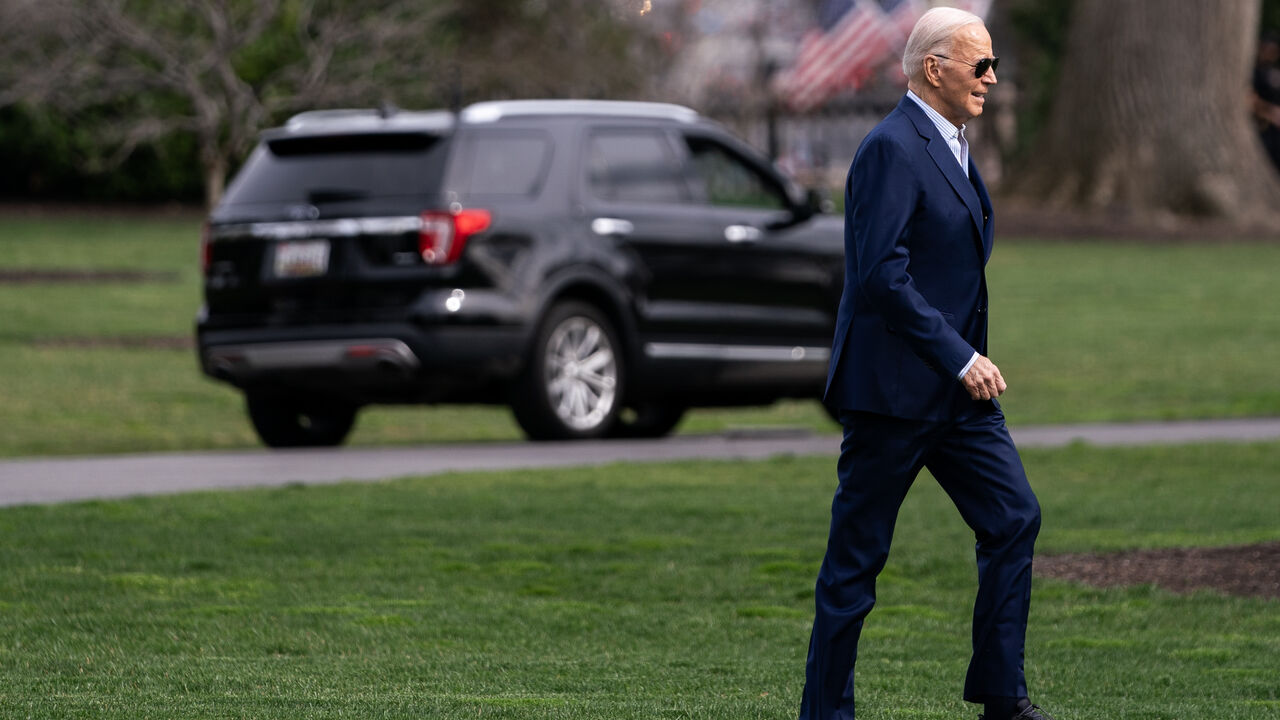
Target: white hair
{"type": "Point", "coordinates": [933, 33]}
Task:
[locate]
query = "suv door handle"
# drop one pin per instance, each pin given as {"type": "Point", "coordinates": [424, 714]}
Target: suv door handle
{"type": "Point", "coordinates": [742, 234]}
{"type": "Point", "coordinates": [612, 226]}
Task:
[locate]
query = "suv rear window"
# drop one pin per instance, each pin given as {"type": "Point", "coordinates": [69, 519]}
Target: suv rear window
{"type": "Point", "coordinates": [340, 167]}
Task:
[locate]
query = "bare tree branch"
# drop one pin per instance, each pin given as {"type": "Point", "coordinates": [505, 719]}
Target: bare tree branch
{"type": "Point", "coordinates": [221, 70]}
{"type": "Point", "coordinates": [176, 67]}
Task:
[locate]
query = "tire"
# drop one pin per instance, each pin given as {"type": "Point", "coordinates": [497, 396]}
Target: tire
{"type": "Point", "coordinates": [573, 380]}
{"type": "Point", "coordinates": [285, 421]}
{"type": "Point", "coordinates": [648, 421]}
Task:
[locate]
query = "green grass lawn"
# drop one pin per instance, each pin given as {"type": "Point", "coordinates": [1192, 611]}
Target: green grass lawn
{"type": "Point", "coordinates": [646, 591]}
{"type": "Point", "coordinates": [1083, 331]}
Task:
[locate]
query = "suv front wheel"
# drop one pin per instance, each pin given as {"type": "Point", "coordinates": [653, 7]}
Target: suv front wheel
{"type": "Point", "coordinates": [573, 380]}
{"type": "Point", "coordinates": [648, 420]}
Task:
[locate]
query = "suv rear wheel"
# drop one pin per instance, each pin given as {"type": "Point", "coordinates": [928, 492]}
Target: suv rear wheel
{"type": "Point", "coordinates": [284, 421]}
{"type": "Point", "coordinates": [571, 386]}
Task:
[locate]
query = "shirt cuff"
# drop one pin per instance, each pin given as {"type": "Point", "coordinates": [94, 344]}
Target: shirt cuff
{"type": "Point", "coordinates": [968, 365]}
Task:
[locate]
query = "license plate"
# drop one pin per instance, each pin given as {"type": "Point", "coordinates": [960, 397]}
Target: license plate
{"type": "Point", "coordinates": [304, 258]}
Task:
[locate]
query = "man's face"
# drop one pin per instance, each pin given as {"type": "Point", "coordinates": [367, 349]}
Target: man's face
{"type": "Point", "coordinates": [962, 95]}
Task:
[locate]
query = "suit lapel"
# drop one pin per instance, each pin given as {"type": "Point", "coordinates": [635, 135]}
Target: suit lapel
{"type": "Point", "coordinates": [945, 161]}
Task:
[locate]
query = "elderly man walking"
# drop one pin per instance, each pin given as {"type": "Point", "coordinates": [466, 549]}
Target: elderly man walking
{"type": "Point", "coordinates": [911, 378]}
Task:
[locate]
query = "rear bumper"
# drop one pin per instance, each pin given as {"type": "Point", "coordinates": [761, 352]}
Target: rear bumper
{"type": "Point", "coordinates": [392, 362]}
{"type": "Point", "coordinates": [230, 362]}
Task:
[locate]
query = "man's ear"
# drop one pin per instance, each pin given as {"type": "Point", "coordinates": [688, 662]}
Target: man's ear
{"type": "Point", "coordinates": [933, 71]}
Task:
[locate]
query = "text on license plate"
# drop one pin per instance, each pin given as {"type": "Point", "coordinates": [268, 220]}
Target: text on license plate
{"type": "Point", "coordinates": [306, 258]}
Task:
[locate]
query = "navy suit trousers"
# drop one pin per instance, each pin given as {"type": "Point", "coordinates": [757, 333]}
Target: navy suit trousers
{"type": "Point", "coordinates": [976, 463]}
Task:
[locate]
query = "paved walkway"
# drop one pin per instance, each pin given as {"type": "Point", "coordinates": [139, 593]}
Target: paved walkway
{"type": "Point", "coordinates": [29, 481]}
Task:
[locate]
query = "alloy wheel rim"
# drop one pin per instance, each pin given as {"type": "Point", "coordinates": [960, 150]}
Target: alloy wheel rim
{"type": "Point", "coordinates": [581, 373]}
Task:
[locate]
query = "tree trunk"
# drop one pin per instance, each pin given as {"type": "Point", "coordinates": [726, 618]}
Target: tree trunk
{"type": "Point", "coordinates": [215, 179]}
{"type": "Point", "coordinates": [1150, 122]}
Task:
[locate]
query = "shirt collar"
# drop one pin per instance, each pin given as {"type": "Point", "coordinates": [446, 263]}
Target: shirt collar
{"type": "Point", "coordinates": [946, 127]}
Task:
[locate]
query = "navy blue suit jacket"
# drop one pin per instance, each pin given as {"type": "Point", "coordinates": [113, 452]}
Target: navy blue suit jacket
{"type": "Point", "coordinates": [914, 310]}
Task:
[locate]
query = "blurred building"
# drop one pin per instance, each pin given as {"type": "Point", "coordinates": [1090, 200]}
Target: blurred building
{"type": "Point", "coordinates": [731, 45]}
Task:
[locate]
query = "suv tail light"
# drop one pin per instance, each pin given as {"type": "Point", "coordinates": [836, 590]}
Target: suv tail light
{"type": "Point", "coordinates": [444, 234]}
{"type": "Point", "coordinates": [206, 251]}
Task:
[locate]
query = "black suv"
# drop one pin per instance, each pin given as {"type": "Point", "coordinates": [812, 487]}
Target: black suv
{"type": "Point", "coordinates": [598, 266]}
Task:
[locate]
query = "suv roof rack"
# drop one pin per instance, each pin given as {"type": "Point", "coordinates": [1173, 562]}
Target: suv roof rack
{"type": "Point", "coordinates": [496, 110]}
{"type": "Point", "coordinates": [369, 119]}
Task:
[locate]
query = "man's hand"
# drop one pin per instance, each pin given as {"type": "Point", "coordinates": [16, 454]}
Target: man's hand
{"type": "Point", "coordinates": [983, 381]}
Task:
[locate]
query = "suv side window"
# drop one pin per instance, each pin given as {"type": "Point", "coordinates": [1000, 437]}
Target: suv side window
{"type": "Point", "coordinates": [722, 177]}
{"type": "Point", "coordinates": [512, 164]}
{"type": "Point", "coordinates": [634, 166]}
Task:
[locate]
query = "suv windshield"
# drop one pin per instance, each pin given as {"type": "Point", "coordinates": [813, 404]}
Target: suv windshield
{"type": "Point", "coordinates": [340, 167]}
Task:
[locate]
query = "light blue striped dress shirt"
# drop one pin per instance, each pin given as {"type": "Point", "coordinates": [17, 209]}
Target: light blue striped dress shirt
{"type": "Point", "coordinates": [952, 134]}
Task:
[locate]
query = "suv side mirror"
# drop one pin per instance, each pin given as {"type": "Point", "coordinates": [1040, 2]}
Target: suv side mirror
{"type": "Point", "coordinates": [819, 201]}
{"type": "Point", "coordinates": [811, 203]}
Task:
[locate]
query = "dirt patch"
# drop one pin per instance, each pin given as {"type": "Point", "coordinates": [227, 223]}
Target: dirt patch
{"type": "Point", "coordinates": [1240, 570]}
{"type": "Point", "coordinates": [147, 342]}
{"type": "Point", "coordinates": [58, 275]}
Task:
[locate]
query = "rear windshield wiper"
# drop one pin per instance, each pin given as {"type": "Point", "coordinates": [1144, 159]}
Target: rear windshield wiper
{"type": "Point", "coordinates": [323, 195]}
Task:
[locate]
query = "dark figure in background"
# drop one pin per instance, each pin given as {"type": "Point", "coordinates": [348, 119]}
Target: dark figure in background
{"type": "Point", "coordinates": [1266, 95]}
{"type": "Point", "coordinates": [911, 380]}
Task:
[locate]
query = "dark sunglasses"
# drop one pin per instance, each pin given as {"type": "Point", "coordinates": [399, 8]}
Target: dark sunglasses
{"type": "Point", "coordinates": [980, 68]}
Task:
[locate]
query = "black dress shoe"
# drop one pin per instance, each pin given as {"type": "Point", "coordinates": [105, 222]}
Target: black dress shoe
{"type": "Point", "coordinates": [1032, 712]}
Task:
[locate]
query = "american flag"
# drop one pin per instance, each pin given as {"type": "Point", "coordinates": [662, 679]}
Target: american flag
{"type": "Point", "coordinates": [853, 40]}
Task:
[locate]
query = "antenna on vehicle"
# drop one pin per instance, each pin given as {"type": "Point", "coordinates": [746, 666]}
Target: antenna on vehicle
{"type": "Point", "coordinates": [455, 89]}
{"type": "Point", "coordinates": [387, 109]}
